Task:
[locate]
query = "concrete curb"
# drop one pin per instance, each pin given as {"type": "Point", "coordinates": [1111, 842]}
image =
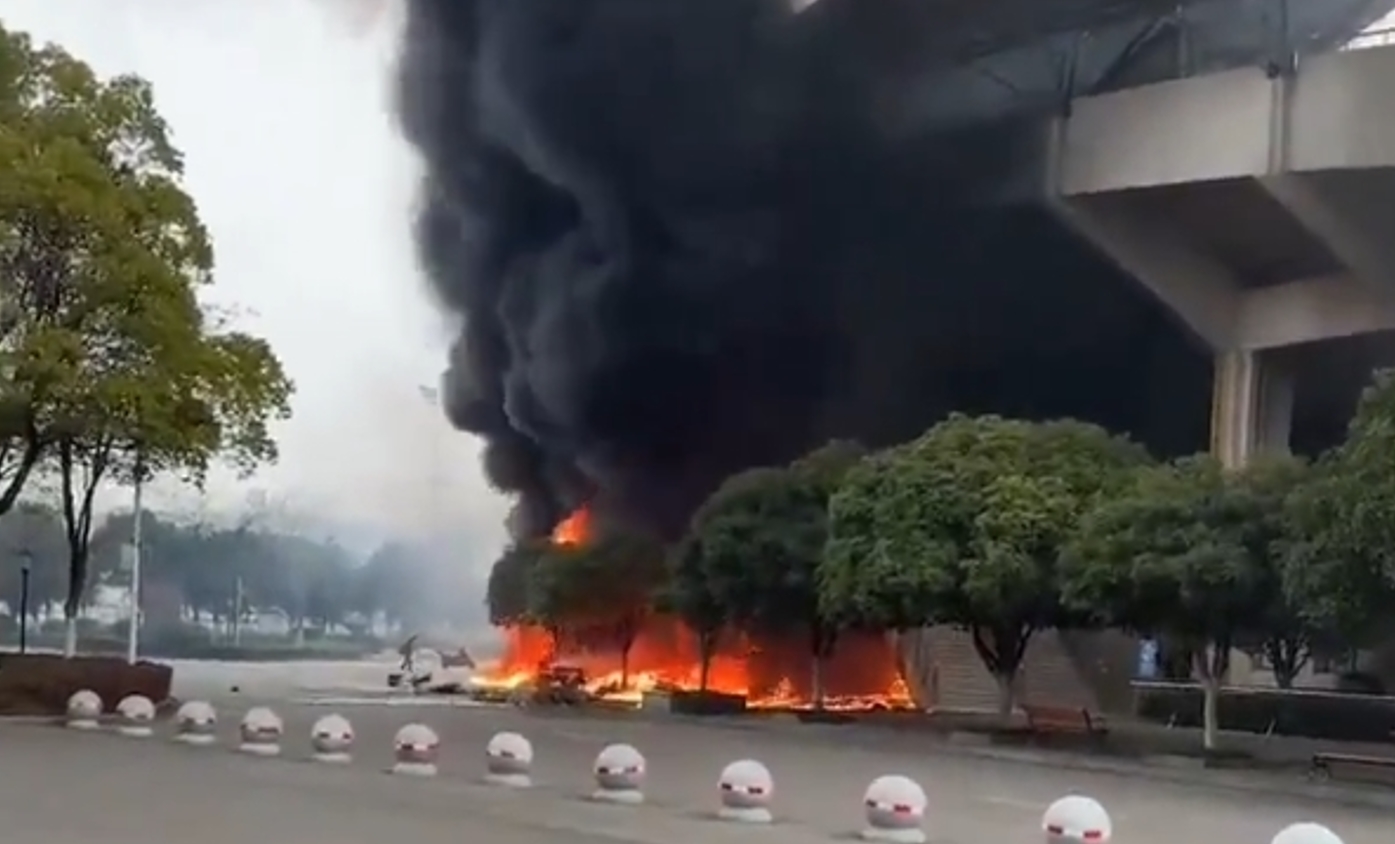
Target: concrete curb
{"type": "Point", "coordinates": [1178, 770]}
{"type": "Point", "coordinates": [1258, 782]}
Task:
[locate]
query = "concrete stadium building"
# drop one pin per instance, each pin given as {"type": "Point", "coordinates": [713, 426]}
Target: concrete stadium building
{"type": "Point", "coordinates": [1232, 158]}
{"type": "Point", "coordinates": [1234, 161]}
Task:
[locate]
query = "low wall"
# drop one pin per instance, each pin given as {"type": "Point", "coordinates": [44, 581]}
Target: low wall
{"type": "Point", "coordinates": [40, 684]}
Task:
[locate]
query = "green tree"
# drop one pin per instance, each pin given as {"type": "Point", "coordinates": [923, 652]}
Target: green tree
{"type": "Point", "coordinates": [965, 526]}
{"type": "Point", "coordinates": [761, 537]}
{"type": "Point", "coordinates": [1287, 633]}
{"type": "Point", "coordinates": [1342, 573]}
{"type": "Point", "coordinates": [507, 592]}
{"type": "Point", "coordinates": [688, 595]}
{"type": "Point", "coordinates": [1184, 554]}
{"type": "Point", "coordinates": [113, 369]}
{"type": "Point", "coordinates": [601, 589]}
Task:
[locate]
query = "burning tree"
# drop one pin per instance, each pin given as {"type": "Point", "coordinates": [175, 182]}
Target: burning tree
{"type": "Point", "coordinates": [759, 540]}
{"type": "Point", "coordinates": [688, 596]}
{"type": "Point", "coordinates": [964, 526]}
{"type": "Point", "coordinates": [507, 593]}
{"type": "Point", "coordinates": [600, 590]}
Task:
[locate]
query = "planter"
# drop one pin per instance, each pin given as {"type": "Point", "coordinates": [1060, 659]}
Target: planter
{"type": "Point", "coordinates": [679, 702]}
{"type": "Point", "coordinates": [40, 684]}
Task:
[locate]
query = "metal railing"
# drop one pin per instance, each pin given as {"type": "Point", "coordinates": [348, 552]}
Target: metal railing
{"type": "Point", "coordinates": [1380, 37]}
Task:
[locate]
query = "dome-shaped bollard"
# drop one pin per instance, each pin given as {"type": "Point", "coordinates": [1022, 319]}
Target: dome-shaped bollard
{"type": "Point", "coordinates": [136, 716]}
{"type": "Point", "coordinates": [416, 748]}
{"type": "Point", "coordinates": [332, 740]}
{"type": "Point", "coordinates": [84, 710]}
{"type": "Point", "coordinates": [895, 810]}
{"type": "Point", "coordinates": [619, 774]}
{"type": "Point", "coordinates": [508, 761]}
{"type": "Point", "coordinates": [1076, 819]}
{"type": "Point", "coordinates": [196, 723]}
{"type": "Point", "coordinates": [261, 731]}
{"type": "Point", "coordinates": [1306, 833]}
{"type": "Point", "coordinates": [745, 790]}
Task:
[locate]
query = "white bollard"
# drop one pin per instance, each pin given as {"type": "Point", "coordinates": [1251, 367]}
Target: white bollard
{"type": "Point", "coordinates": [416, 747]}
{"type": "Point", "coordinates": [332, 739]}
{"type": "Point", "coordinates": [84, 710]}
{"type": "Point", "coordinates": [136, 714]}
{"type": "Point", "coordinates": [1076, 819]}
{"type": "Point", "coordinates": [196, 723]}
{"type": "Point", "coordinates": [619, 775]}
{"type": "Point", "coordinates": [1306, 833]}
{"type": "Point", "coordinates": [745, 789]}
{"type": "Point", "coordinates": [261, 731]}
{"type": "Point", "coordinates": [895, 809]}
{"type": "Point", "coordinates": [508, 761]}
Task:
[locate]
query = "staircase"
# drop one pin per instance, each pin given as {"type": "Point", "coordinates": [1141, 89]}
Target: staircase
{"type": "Point", "coordinates": [945, 673]}
{"type": "Point", "coordinates": [1049, 676]}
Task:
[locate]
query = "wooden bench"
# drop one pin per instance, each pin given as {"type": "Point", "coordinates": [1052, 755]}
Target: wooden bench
{"type": "Point", "coordinates": [1323, 763]}
{"type": "Point", "coordinates": [1064, 720]}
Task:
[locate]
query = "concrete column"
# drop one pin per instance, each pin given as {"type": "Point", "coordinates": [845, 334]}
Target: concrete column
{"type": "Point", "coordinates": [1251, 407]}
{"type": "Point", "coordinates": [1276, 394]}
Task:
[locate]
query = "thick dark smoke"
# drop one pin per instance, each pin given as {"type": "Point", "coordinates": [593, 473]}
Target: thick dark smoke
{"type": "Point", "coordinates": [679, 245]}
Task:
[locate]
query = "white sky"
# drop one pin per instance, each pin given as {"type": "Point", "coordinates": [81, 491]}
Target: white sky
{"type": "Point", "coordinates": [282, 110]}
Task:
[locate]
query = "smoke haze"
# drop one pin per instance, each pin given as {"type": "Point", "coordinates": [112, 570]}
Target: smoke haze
{"type": "Point", "coordinates": [679, 245]}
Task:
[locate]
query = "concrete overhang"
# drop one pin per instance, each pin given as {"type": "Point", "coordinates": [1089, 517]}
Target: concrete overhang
{"type": "Point", "coordinates": [1212, 303]}
{"type": "Point", "coordinates": [1333, 114]}
{"type": "Point", "coordinates": [1319, 142]}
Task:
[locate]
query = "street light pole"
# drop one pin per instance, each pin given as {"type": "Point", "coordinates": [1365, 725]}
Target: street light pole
{"type": "Point", "coordinates": [28, 557]}
{"type": "Point", "coordinates": [436, 480]}
{"type": "Point", "coordinates": [133, 634]}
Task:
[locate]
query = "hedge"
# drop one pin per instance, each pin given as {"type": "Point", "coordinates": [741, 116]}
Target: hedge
{"type": "Point", "coordinates": [1310, 714]}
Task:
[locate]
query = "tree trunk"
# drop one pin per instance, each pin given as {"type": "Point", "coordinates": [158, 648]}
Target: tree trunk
{"type": "Point", "coordinates": [70, 634]}
{"type": "Point", "coordinates": [1286, 658]}
{"type": "Point", "coordinates": [1210, 716]}
{"type": "Point", "coordinates": [1007, 696]}
{"type": "Point", "coordinates": [822, 640]}
{"type": "Point", "coordinates": [1212, 662]}
{"type": "Point", "coordinates": [706, 643]}
{"type": "Point", "coordinates": [1001, 650]}
{"type": "Point", "coordinates": [625, 666]}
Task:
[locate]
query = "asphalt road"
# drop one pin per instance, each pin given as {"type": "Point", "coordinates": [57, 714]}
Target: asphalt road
{"type": "Point", "coordinates": [66, 785]}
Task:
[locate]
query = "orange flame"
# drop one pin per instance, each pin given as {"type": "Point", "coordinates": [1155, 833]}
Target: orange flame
{"type": "Point", "coordinates": [574, 529]}
{"type": "Point", "coordinates": [770, 673]}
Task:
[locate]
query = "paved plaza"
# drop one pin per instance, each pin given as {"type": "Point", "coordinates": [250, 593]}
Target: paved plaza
{"type": "Point", "coordinates": [68, 785]}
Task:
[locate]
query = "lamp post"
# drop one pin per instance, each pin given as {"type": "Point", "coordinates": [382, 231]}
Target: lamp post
{"type": "Point", "coordinates": [133, 633]}
{"type": "Point", "coordinates": [28, 557]}
{"type": "Point", "coordinates": [436, 480]}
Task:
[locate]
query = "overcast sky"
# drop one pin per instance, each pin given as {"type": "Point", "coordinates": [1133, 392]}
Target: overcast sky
{"type": "Point", "coordinates": [282, 110]}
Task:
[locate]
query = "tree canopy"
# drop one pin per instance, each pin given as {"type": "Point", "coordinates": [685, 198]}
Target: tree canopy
{"type": "Point", "coordinates": [601, 590]}
{"type": "Point", "coordinates": [965, 526]}
{"type": "Point", "coordinates": [761, 537]}
{"type": "Point", "coordinates": [688, 595]}
{"type": "Point", "coordinates": [507, 593]}
{"type": "Point", "coordinates": [1195, 553]}
{"type": "Point", "coordinates": [109, 367]}
{"type": "Point", "coordinates": [1343, 571]}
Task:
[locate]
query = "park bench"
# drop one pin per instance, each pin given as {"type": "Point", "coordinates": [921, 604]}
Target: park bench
{"type": "Point", "coordinates": [1065, 720]}
{"type": "Point", "coordinates": [1324, 762]}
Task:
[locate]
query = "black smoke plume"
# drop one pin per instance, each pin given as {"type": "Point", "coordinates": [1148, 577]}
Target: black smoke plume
{"type": "Point", "coordinates": [680, 243]}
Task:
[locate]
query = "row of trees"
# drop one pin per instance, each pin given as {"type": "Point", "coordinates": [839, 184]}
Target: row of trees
{"type": "Point", "coordinates": [1005, 528]}
{"type": "Point", "coordinates": [110, 368]}
{"type": "Point", "coordinates": [216, 575]}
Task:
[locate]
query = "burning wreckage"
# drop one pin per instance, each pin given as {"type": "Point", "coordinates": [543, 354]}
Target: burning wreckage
{"type": "Point", "coordinates": [686, 237]}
